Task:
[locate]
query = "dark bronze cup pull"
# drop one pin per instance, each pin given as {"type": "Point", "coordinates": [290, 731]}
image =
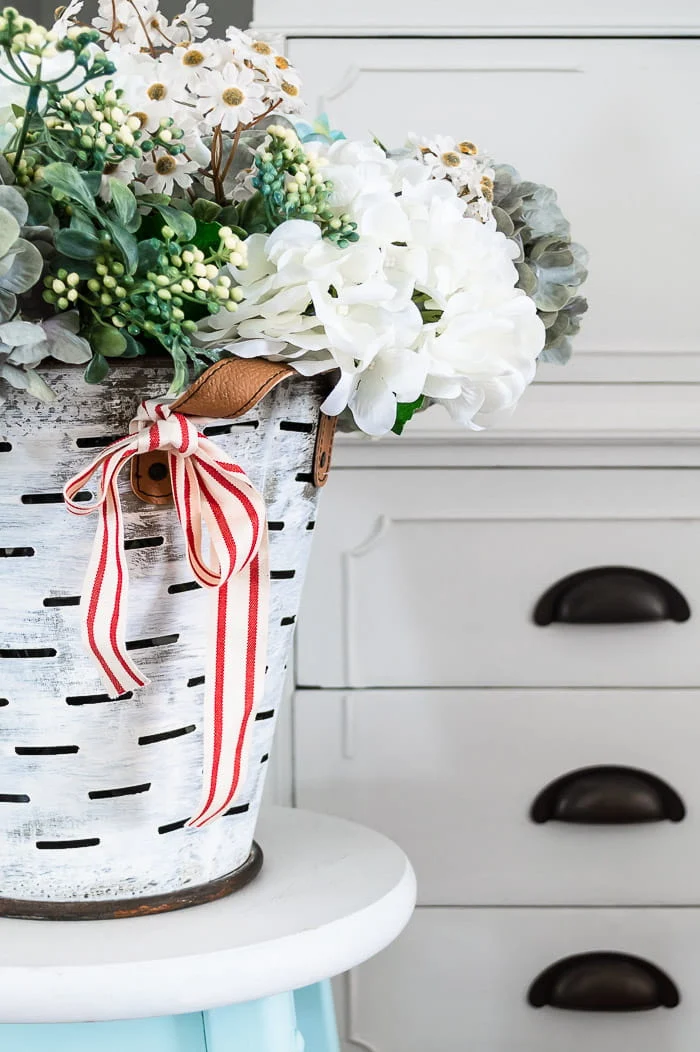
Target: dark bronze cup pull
{"type": "Point", "coordinates": [608, 796]}
{"type": "Point", "coordinates": [611, 595]}
{"type": "Point", "coordinates": [603, 982]}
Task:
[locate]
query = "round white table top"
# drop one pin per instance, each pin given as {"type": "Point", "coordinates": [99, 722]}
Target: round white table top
{"type": "Point", "coordinates": [331, 894]}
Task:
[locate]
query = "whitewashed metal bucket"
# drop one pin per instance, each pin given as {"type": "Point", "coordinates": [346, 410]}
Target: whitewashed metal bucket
{"type": "Point", "coordinates": [95, 794]}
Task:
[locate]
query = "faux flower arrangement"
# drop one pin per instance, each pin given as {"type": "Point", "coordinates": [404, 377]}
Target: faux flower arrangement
{"type": "Point", "coordinates": [157, 197]}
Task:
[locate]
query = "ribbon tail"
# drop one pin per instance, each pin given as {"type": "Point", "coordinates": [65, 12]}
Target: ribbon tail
{"type": "Point", "coordinates": [104, 600]}
{"type": "Point", "coordinates": [234, 684]}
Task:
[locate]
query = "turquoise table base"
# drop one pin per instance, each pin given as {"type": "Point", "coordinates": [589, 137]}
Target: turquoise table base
{"type": "Point", "coordinates": [303, 1021]}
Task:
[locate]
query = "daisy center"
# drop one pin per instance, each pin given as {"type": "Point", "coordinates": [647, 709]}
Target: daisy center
{"type": "Point", "coordinates": [281, 62]}
{"type": "Point", "coordinates": [166, 165]}
{"type": "Point", "coordinates": [232, 96]}
{"type": "Point", "coordinates": [468, 148]}
{"type": "Point", "coordinates": [289, 89]}
{"type": "Point", "coordinates": [156, 92]}
{"type": "Point", "coordinates": [451, 159]}
{"type": "Point", "coordinates": [192, 58]}
{"type": "Point", "coordinates": [261, 47]}
{"type": "Point", "coordinates": [487, 187]}
{"type": "Point", "coordinates": [143, 118]}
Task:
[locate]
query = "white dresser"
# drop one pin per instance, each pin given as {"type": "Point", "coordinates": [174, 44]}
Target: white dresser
{"type": "Point", "coordinates": [543, 777]}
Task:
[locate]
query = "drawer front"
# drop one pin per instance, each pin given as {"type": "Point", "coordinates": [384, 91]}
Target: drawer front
{"type": "Point", "coordinates": [459, 979]}
{"type": "Point", "coordinates": [452, 776]}
{"type": "Point", "coordinates": [631, 100]}
{"type": "Point", "coordinates": [432, 578]}
{"type": "Point", "coordinates": [395, 16]}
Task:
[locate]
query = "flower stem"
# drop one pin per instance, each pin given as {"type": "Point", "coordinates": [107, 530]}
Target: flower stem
{"type": "Point", "coordinates": [30, 109]}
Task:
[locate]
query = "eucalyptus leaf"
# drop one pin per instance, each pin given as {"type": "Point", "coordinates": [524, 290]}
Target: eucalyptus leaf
{"type": "Point", "coordinates": [504, 222]}
{"type": "Point", "coordinates": [77, 245]}
{"type": "Point", "coordinates": [9, 231]}
{"type": "Point", "coordinates": [15, 204]}
{"type": "Point", "coordinates": [548, 318]}
{"type": "Point", "coordinates": [26, 264]}
{"type": "Point", "coordinates": [97, 369]}
{"type": "Point", "coordinates": [527, 279]}
{"type": "Point", "coordinates": [549, 297]}
{"type": "Point", "coordinates": [63, 340]}
{"type": "Point", "coordinates": [8, 305]}
{"type": "Point", "coordinates": [68, 180]}
{"type": "Point", "coordinates": [557, 354]}
{"type": "Point", "coordinates": [38, 387]}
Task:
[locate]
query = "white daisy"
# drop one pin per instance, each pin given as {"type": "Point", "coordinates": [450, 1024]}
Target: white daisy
{"type": "Point", "coordinates": [231, 97]}
{"type": "Point", "coordinates": [196, 59]}
{"type": "Point", "coordinates": [125, 172]}
{"type": "Point", "coordinates": [288, 90]}
{"type": "Point", "coordinates": [117, 18]}
{"type": "Point", "coordinates": [65, 16]}
{"type": "Point", "coordinates": [154, 88]}
{"type": "Point", "coordinates": [167, 172]}
{"type": "Point", "coordinates": [192, 24]}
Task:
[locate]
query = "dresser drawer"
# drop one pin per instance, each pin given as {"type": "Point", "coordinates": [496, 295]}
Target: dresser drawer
{"type": "Point", "coordinates": [459, 979]}
{"type": "Point", "coordinates": [631, 99]}
{"type": "Point", "coordinates": [432, 578]}
{"type": "Point", "coordinates": [452, 776]}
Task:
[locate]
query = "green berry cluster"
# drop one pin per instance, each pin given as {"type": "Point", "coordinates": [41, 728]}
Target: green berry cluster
{"type": "Point", "coordinates": [81, 41]}
{"type": "Point", "coordinates": [292, 186]}
{"type": "Point", "coordinates": [19, 34]}
{"type": "Point", "coordinates": [23, 36]}
{"type": "Point", "coordinates": [28, 169]}
{"type": "Point", "coordinates": [62, 290]}
{"type": "Point", "coordinates": [99, 128]}
{"type": "Point", "coordinates": [163, 304]}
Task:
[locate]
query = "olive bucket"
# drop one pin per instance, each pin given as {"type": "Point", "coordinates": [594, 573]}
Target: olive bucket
{"type": "Point", "coordinates": [96, 793]}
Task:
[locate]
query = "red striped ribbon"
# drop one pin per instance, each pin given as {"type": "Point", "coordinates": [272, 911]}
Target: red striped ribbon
{"type": "Point", "coordinates": [210, 492]}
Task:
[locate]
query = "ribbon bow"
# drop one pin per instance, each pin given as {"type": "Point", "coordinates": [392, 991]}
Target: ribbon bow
{"type": "Point", "coordinates": [208, 490]}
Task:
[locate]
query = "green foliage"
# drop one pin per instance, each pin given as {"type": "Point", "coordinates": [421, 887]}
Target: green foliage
{"type": "Point", "coordinates": [124, 202]}
{"type": "Point", "coordinates": [75, 244]}
{"type": "Point", "coordinates": [290, 186]}
{"type": "Point", "coordinates": [405, 411]}
{"type": "Point", "coordinates": [141, 273]}
{"type": "Point", "coordinates": [21, 262]}
{"type": "Point", "coordinates": [68, 183]}
{"type": "Point", "coordinates": [206, 211]}
{"type": "Point", "coordinates": [96, 370]}
{"type": "Point", "coordinates": [551, 267]}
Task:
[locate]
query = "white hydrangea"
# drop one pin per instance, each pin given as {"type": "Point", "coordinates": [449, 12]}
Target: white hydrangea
{"type": "Point", "coordinates": [425, 303]}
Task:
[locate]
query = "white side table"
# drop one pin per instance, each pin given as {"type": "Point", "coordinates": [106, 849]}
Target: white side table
{"type": "Point", "coordinates": [248, 973]}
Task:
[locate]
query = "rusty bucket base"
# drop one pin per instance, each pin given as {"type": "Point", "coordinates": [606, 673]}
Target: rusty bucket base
{"type": "Point", "coordinates": [26, 909]}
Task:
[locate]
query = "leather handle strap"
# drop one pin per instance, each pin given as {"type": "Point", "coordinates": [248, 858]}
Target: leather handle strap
{"type": "Point", "coordinates": [226, 390]}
